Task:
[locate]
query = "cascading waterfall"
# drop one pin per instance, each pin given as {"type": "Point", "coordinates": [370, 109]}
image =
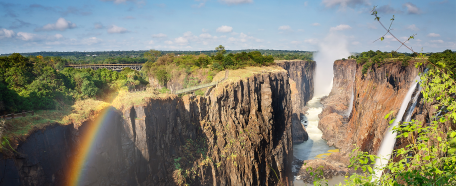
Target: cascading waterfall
{"type": "Point", "coordinates": [350, 104]}
{"type": "Point", "coordinates": [387, 146]}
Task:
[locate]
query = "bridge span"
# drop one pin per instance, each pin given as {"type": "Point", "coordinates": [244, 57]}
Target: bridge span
{"type": "Point", "coordinates": [114, 67]}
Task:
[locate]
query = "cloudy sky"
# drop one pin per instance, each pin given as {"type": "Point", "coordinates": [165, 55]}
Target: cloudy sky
{"type": "Point", "coordinates": [98, 25]}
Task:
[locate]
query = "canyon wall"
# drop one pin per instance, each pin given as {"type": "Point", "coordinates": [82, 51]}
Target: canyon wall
{"type": "Point", "coordinates": [376, 93]}
{"type": "Point", "coordinates": [241, 134]}
{"type": "Point", "coordinates": [301, 75]}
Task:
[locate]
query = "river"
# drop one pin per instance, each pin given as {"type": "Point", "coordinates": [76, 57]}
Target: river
{"type": "Point", "coordinates": [315, 147]}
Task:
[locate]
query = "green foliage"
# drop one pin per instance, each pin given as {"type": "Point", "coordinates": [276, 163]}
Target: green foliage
{"type": "Point", "coordinates": [164, 90]}
{"type": "Point", "coordinates": [162, 76]}
{"type": "Point", "coordinates": [44, 85]}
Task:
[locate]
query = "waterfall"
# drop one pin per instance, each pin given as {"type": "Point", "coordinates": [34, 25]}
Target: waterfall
{"type": "Point", "coordinates": [387, 145]}
{"type": "Point", "coordinates": [350, 104]}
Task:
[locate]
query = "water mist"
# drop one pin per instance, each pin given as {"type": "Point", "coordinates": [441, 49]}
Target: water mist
{"type": "Point", "coordinates": [333, 47]}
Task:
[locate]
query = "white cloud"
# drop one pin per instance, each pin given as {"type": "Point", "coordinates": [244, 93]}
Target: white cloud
{"type": "Point", "coordinates": [90, 41]}
{"type": "Point", "coordinates": [58, 36]}
{"type": "Point", "coordinates": [437, 41]}
{"type": "Point", "coordinates": [311, 41]}
{"type": "Point", "coordinates": [117, 30]}
{"type": "Point", "coordinates": [160, 35]}
{"type": "Point", "coordinates": [259, 40]}
{"type": "Point", "coordinates": [61, 25]}
{"type": "Point", "coordinates": [169, 42]}
{"type": "Point", "coordinates": [205, 36]}
{"type": "Point", "coordinates": [204, 30]}
{"type": "Point", "coordinates": [188, 34]}
{"type": "Point", "coordinates": [25, 36]}
{"type": "Point", "coordinates": [316, 24]}
{"type": "Point", "coordinates": [232, 39]}
{"type": "Point", "coordinates": [433, 35]}
{"type": "Point", "coordinates": [413, 27]}
{"type": "Point", "coordinates": [235, 2]}
{"type": "Point", "coordinates": [285, 28]}
{"type": "Point", "coordinates": [411, 8]}
{"type": "Point", "coordinates": [151, 42]}
{"type": "Point", "coordinates": [355, 43]}
{"type": "Point", "coordinates": [305, 4]}
{"type": "Point", "coordinates": [295, 42]}
{"type": "Point", "coordinates": [224, 29]}
{"type": "Point", "coordinates": [345, 3]}
{"type": "Point", "coordinates": [4, 33]}
{"type": "Point", "coordinates": [340, 27]}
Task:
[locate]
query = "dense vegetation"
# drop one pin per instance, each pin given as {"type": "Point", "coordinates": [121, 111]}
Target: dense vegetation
{"type": "Point", "coordinates": [42, 83]}
{"type": "Point", "coordinates": [370, 58]}
{"type": "Point", "coordinates": [172, 66]}
{"type": "Point", "coordinates": [142, 56]}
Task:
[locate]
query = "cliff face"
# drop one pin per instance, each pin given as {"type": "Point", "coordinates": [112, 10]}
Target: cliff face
{"type": "Point", "coordinates": [376, 93]}
{"type": "Point", "coordinates": [301, 75]}
{"type": "Point", "coordinates": [239, 135]}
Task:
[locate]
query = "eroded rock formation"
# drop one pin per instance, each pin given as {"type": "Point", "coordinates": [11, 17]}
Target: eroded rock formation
{"type": "Point", "coordinates": [376, 93]}
{"type": "Point", "coordinates": [301, 75]}
{"type": "Point", "coordinates": [239, 135]}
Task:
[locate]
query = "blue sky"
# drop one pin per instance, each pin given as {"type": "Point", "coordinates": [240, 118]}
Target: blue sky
{"type": "Point", "coordinates": [99, 25]}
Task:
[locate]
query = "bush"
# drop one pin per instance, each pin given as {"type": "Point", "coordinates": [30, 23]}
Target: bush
{"type": "Point", "coordinates": [164, 90]}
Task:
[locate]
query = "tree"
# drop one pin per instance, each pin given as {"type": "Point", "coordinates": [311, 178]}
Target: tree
{"type": "Point", "coordinates": [220, 49]}
{"type": "Point", "coordinates": [152, 55]}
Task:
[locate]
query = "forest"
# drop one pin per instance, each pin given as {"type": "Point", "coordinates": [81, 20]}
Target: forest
{"type": "Point", "coordinates": [37, 82]}
{"type": "Point", "coordinates": [124, 57]}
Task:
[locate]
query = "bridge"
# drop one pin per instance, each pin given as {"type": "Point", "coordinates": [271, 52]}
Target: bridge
{"type": "Point", "coordinates": [192, 89]}
{"type": "Point", "coordinates": [114, 67]}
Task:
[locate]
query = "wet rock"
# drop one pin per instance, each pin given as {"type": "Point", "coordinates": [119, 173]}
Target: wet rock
{"type": "Point", "coordinates": [302, 88]}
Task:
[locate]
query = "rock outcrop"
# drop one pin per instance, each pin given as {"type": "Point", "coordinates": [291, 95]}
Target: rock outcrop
{"type": "Point", "coordinates": [301, 75]}
{"type": "Point", "coordinates": [376, 93]}
{"type": "Point", "coordinates": [240, 135]}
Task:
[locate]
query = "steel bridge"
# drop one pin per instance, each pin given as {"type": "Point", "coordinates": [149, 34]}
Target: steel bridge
{"type": "Point", "coordinates": [114, 67]}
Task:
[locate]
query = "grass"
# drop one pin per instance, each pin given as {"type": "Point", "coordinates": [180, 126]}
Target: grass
{"type": "Point", "coordinates": [20, 128]}
{"type": "Point", "coordinates": [125, 100]}
{"type": "Point", "coordinates": [82, 110]}
{"type": "Point", "coordinates": [242, 74]}
{"type": "Point", "coordinates": [236, 75]}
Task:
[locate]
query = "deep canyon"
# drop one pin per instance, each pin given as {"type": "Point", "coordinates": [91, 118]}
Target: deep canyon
{"type": "Point", "coordinates": [242, 133]}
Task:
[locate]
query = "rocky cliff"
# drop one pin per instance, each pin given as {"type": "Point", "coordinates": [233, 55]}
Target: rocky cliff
{"type": "Point", "coordinates": [301, 75]}
{"type": "Point", "coordinates": [376, 93]}
{"type": "Point", "coordinates": [239, 135]}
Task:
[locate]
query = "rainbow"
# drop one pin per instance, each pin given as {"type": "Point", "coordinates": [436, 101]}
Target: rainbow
{"type": "Point", "coordinates": [85, 149]}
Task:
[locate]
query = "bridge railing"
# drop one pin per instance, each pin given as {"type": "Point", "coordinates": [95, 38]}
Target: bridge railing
{"type": "Point", "coordinates": [107, 66]}
{"type": "Point", "coordinates": [194, 88]}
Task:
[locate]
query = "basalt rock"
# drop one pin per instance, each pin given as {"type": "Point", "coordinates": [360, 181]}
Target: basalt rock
{"type": "Point", "coordinates": [241, 134]}
{"type": "Point", "coordinates": [301, 75]}
{"type": "Point", "coordinates": [376, 93]}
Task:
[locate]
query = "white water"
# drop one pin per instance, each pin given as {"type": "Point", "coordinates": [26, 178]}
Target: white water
{"type": "Point", "coordinates": [315, 145]}
{"type": "Point", "coordinates": [350, 104]}
{"type": "Point", "coordinates": [387, 146]}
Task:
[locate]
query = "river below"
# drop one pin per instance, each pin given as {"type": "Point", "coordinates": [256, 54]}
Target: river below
{"type": "Point", "coordinates": [315, 147]}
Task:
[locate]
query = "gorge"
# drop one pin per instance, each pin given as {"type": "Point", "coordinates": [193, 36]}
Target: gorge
{"type": "Point", "coordinates": [245, 132]}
